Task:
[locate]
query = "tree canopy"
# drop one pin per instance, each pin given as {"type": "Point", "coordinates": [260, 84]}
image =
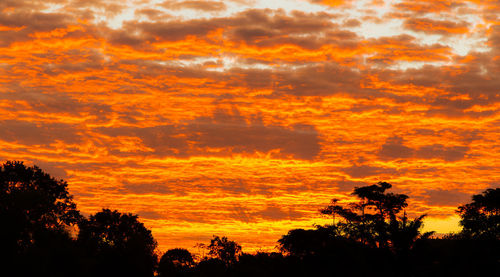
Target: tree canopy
{"type": "Point", "coordinates": [36, 214]}
{"type": "Point", "coordinates": [175, 262]}
{"type": "Point", "coordinates": [224, 249]}
{"type": "Point", "coordinates": [122, 244]}
{"type": "Point", "coordinates": [32, 202]}
{"type": "Point", "coordinates": [375, 219]}
{"type": "Point", "coordinates": [372, 236]}
{"type": "Point", "coordinates": [480, 219]}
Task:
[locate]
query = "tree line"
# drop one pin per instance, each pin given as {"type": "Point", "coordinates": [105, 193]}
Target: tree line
{"type": "Point", "coordinates": [42, 233]}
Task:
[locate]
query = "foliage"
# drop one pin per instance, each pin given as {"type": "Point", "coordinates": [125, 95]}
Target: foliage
{"type": "Point", "coordinates": [371, 237]}
{"type": "Point", "coordinates": [176, 262]}
{"type": "Point", "coordinates": [300, 242]}
{"type": "Point", "coordinates": [374, 220]}
{"type": "Point", "coordinates": [224, 249]}
{"type": "Point", "coordinates": [481, 217]}
{"type": "Point", "coordinates": [32, 201]}
{"type": "Point", "coordinates": [122, 244]}
{"type": "Point", "coordinates": [179, 257]}
{"type": "Point", "coordinates": [36, 215]}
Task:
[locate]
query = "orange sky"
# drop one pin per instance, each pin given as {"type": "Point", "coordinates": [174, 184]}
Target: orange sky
{"type": "Point", "coordinates": [244, 117]}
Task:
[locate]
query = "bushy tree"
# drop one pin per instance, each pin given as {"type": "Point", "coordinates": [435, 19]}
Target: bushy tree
{"type": "Point", "coordinates": [480, 219]}
{"type": "Point", "coordinates": [175, 262]}
{"type": "Point", "coordinates": [301, 243]}
{"type": "Point", "coordinates": [118, 244]}
{"type": "Point", "coordinates": [31, 201]}
{"type": "Point", "coordinates": [224, 249]}
{"type": "Point", "coordinates": [36, 214]}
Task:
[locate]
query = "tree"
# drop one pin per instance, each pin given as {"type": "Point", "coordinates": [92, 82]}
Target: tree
{"type": "Point", "coordinates": [224, 250]}
{"type": "Point", "coordinates": [481, 217]}
{"type": "Point", "coordinates": [323, 250]}
{"type": "Point", "coordinates": [119, 243]}
{"type": "Point", "coordinates": [300, 242]}
{"type": "Point", "coordinates": [34, 208]}
{"type": "Point", "coordinates": [374, 219]}
{"type": "Point", "coordinates": [31, 200]}
{"type": "Point", "coordinates": [175, 262]}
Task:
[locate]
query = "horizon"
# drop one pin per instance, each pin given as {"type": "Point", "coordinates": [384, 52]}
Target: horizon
{"type": "Point", "coordinates": [243, 118]}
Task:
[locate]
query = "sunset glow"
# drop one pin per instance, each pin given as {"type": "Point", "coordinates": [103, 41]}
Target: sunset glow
{"type": "Point", "coordinates": [243, 118]}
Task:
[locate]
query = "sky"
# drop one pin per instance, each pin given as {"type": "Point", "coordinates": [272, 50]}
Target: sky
{"type": "Point", "coordinates": [243, 118]}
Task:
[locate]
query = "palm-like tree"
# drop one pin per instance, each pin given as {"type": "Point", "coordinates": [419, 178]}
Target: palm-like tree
{"type": "Point", "coordinates": [374, 220]}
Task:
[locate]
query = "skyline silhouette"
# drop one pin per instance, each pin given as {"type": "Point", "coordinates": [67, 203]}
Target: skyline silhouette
{"type": "Point", "coordinates": [372, 236]}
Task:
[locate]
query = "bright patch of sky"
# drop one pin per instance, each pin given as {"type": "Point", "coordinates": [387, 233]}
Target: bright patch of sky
{"type": "Point", "coordinates": [404, 65]}
{"type": "Point", "coordinates": [375, 22]}
{"type": "Point", "coordinates": [289, 6]}
{"type": "Point", "coordinates": [52, 8]}
{"type": "Point", "coordinates": [117, 21]}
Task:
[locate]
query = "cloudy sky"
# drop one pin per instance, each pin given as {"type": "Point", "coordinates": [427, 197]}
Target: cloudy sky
{"type": "Point", "coordinates": [244, 117]}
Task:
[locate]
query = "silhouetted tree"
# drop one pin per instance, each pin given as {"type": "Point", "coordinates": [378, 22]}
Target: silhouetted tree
{"type": "Point", "coordinates": [372, 237]}
{"type": "Point", "coordinates": [34, 208]}
{"type": "Point", "coordinates": [323, 251]}
{"type": "Point", "coordinates": [261, 264]}
{"type": "Point", "coordinates": [374, 219]}
{"type": "Point", "coordinates": [404, 234]}
{"type": "Point", "coordinates": [224, 249]}
{"type": "Point", "coordinates": [481, 217]}
{"type": "Point", "coordinates": [118, 245]}
{"type": "Point", "coordinates": [175, 262]}
{"type": "Point", "coordinates": [54, 254]}
{"type": "Point", "coordinates": [300, 242]}
{"type": "Point", "coordinates": [211, 267]}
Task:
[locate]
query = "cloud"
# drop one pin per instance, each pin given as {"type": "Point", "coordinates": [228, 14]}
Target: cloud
{"type": "Point", "coordinates": [449, 154]}
{"type": "Point", "coordinates": [207, 6]}
{"type": "Point", "coordinates": [259, 27]}
{"type": "Point", "coordinates": [224, 134]}
{"type": "Point", "coordinates": [24, 25]}
{"type": "Point", "coordinates": [148, 214]}
{"type": "Point", "coordinates": [233, 133]}
{"type": "Point", "coordinates": [269, 213]}
{"type": "Point", "coordinates": [352, 23]}
{"type": "Point", "coordinates": [363, 171]}
{"type": "Point", "coordinates": [55, 169]}
{"type": "Point", "coordinates": [407, 48]}
{"type": "Point", "coordinates": [275, 213]}
{"type": "Point", "coordinates": [319, 80]}
{"type": "Point", "coordinates": [38, 133]}
{"type": "Point", "coordinates": [395, 148]}
{"type": "Point", "coordinates": [441, 27]}
{"type": "Point", "coordinates": [53, 103]}
{"type": "Point", "coordinates": [239, 213]}
{"type": "Point", "coordinates": [443, 197]}
{"type": "Point", "coordinates": [427, 6]}
{"type": "Point", "coordinates": [347, 186]}
{"type": "Point", "coordinates": [146, 187]}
